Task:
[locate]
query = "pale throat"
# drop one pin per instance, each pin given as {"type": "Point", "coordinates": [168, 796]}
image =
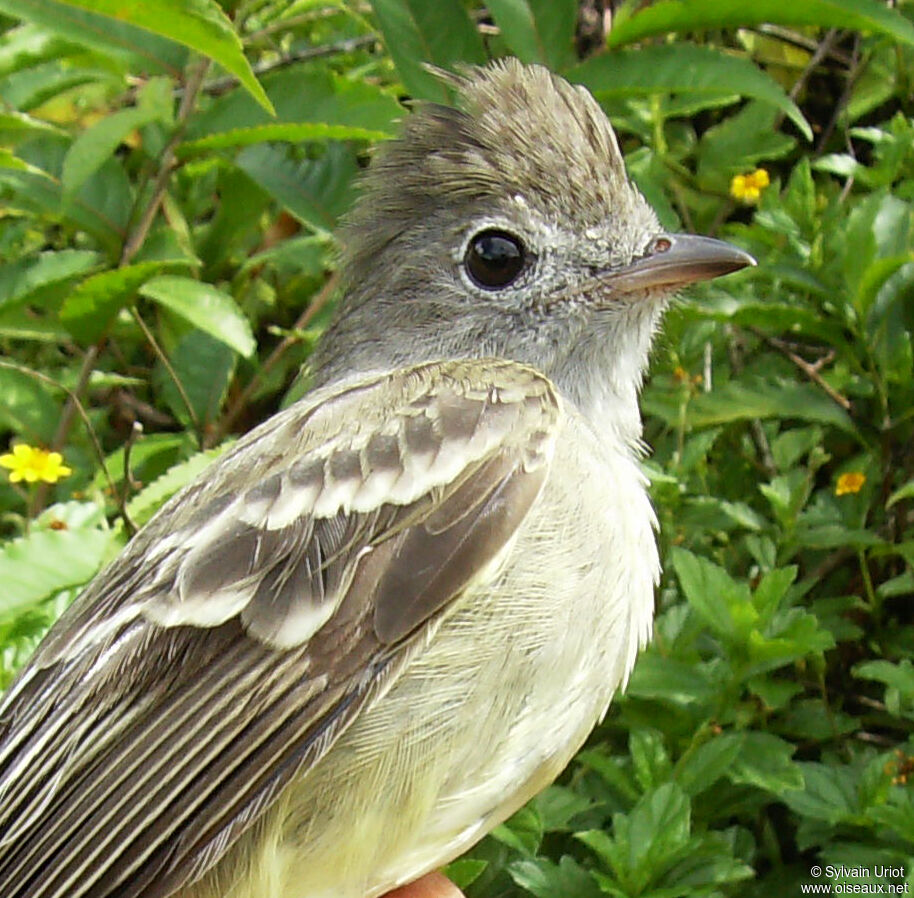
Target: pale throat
{"type": "Point", "coordinates": [604, 372]}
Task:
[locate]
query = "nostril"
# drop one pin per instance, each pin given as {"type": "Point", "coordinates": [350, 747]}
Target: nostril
{"type": "Point", "coordinates": [661, 245]}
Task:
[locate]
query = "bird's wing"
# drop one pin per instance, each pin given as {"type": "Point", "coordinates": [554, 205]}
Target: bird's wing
{"type": "Point", "coordinates": [246, 626]}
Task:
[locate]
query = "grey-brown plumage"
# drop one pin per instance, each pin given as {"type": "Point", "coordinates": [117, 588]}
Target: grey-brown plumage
{"type": "Point", "coordinates": [392, 612]}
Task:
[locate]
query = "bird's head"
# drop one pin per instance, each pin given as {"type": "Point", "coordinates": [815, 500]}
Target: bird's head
{"type": "Point", "coordinates": [508, 227]}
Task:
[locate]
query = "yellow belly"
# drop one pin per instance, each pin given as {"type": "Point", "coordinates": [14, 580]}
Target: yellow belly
{"type": "Point", "coordinates": [484, 717]}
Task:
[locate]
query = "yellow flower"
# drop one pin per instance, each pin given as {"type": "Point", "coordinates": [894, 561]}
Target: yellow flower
{"type": "Point", "coordinates": [851, 482]}
{"type": "Point", "coordinates": [31, 464]}
{"type": "Point", "coordinates": [748, 188]}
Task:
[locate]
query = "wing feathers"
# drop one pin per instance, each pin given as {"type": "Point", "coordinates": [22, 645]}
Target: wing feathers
{"type": "Point", "coordinates": [246, 625]}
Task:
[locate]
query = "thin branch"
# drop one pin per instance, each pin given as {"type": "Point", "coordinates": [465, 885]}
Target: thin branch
{"type": "Point", "coordinates": [802, 41]}
{"type": "Point", "coordinates": [240, 403]}
{"type": "Point", "coordinates": [810, 369]}
{"type": "Point", "coordinates": [762, 446]}
{"type": "Point", "coordinates": [169, 160]}
{"type": "Point", "coordinates": [74, 401]}
{"type": "Point", "coordinates": [219, 86]}
{"type": "Point", "coordinates": [71, 407]}
{"type": "Point", "coordinates": [163, 358]}
{"type": "Point", "coordinates": [852, 76]}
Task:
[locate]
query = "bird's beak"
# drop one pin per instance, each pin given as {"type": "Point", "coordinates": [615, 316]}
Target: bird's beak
{"type": "Point", "coordinates": [675, 260]}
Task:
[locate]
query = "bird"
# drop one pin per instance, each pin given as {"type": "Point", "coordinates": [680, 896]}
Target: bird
{"type": "Point", "coordinates": [391, 613]}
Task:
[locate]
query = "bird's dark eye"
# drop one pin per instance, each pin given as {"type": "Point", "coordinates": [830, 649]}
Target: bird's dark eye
{"type": "Point", "coordinates": [494, 259]}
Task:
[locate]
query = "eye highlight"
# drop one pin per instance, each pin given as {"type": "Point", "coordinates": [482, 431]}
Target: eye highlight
{"type": "Point", "coordinates": [494, 259]}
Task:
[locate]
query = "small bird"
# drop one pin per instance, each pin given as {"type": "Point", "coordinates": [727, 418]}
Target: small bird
{"type": "Point", "coordinates": [391, 613]}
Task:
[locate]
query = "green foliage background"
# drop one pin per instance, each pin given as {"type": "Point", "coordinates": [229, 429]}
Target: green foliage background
{"type": "Point", "coordinates": [171, 174]}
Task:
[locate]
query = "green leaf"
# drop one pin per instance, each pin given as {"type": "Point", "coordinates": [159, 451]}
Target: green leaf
{"type": "Point", "coordinates": [418, 32]}
{"type": "Point", "coordinates": [310, 105]}
{"type": "Point", "coordinates": [465, 871]}
{"type": "Point", "coordinates": [21, 280]}
{"type": "Point", "coordinates": [546, 879]}
{"type": "Point", "coordinates": [27, 409]}
{"type": "Point", "coordinates": [699, 768]}
{"type": "Point", "coordinates": [670, 680]}
{"type": "Point", "coordinates": [522, 831]}
{"type": "Point", "coordinates": [556, 806]}
{"type": "Point", "coordinates": [204, 306]}
{"type": "Point", "coordinates": [150, 499]}
{"type": "Point", "coordinates": [198, 24]}
{"type": "Point", "coordinates": [537, 30]}
{"type": "Point", "coordinates": [16, 126]}
{"type": "Point", "coordinates": [683, 68]}
{"type": "Point", "coordinates": [772, 589]}
{"type": "Point", "coordinates": [697, 15]}
{"type": "Point", "coordinates": [766, 761]}
{"type": "Point", "coordinates": [904, 492]}
{"type": "Point", "coordinates": [649, 758]}
{"type": "Point", "coordinates": [95, 145]}
{"type": "Point", "coordinates": [897, 813]}
{"type": "Point", "coordinates": [829, 793]}
{"type": "Point", "coordinates": [89, 309]}
{"type": "Point", "coordinates": [30, 88]}
{"type": "Point", "coordinates": [315, 191]}
{"type": "Point", "coordinates": [648, 840]}
{"type": "Point", "coordinates": [711, 591]}
{"type": "Point", "coordinates": [45, 561]}
{"type": "Point", "coordinates": [899, 677]}
{"type": "Point", "coordinates": [756, 398]}
{"type": "Point", "coordinates": [133, 47]}
{"type": "Point", "coordinates": [740, 142]}
{"type": "Point", "coordinates": [291, 133]}
{"type": "Point", "coordinates": [204, 367]}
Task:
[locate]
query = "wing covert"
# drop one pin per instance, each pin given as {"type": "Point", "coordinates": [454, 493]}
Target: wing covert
{"type": "Point", "coordinates": [250, 621]}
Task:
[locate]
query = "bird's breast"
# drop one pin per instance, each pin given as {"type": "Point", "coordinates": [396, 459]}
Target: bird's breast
{"type": "Point", "coordinates": [495, 705]}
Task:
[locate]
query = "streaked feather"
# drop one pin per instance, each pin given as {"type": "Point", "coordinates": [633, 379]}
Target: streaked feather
{"type": "Point", "coordinates": [243, 630]}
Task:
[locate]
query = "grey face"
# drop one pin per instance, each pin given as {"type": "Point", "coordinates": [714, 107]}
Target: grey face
{"type": "Point", "coordinates": [507, 227]}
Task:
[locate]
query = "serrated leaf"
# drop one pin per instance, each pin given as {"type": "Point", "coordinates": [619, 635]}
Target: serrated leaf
{"type": "Point", "coordinates": [772, 588]}
{"type": "Point", "coordinates": [699, 768]}
{"type": "Point", "coordinates": [198, 24]}
{"type": "Point", "coordinates": [88, 310]}
{"type": "Point", "coordinates": [204, 367]}
{"type": "Point", "coordinates": [537, 30]}
{"type": "Point", "coordinates": [29, 88]}
{"type": "Point", "coordinates": [150, 499]}
{"type": "Point", "coordinates": [417, 32]}
{"type": "Point", "coordinates": [755, 398]}
{"type": "Point", "coordinates": [650, 761]}
{"type": "Point", "coordinates": [670, 680]}
{"type": "Point", "coordinates": [16, 126]}
{"type": "Point", "coordinates": [45, 561]}
{"type": "Point", "coordinates": [683, 68]}
{"type": "Point", "coordinates": [828, 793]}
{"type": "Point", "coordinates": [310, 105]}
{"type": "Point", "coordinates": [28, 409]}
{"type": "Point", "coordinates": [697, 15]}
{"type": "Point", "coordinates": [316, 191]}
{"type": "Point", "coordinates": [291, 133]}
{"type": "Point", "coordinates": [711, 591]}
{"type": "Point", "coordinates": [766, 761]}
{"type": "Point", "coordinates": [465, 871]}
{"type": "Point", "coordinates": [904, 492]}
{"type": "Point", "coordinates": [546, 879]}
{"type": "Point", "coordinates": [522, 831]}
{"type": "Point", "coordinates": [646, 841]}
{"type": "Point", "coordinates": [899, 676]}
{"type": "Point", "coordinates": [206, 307]}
